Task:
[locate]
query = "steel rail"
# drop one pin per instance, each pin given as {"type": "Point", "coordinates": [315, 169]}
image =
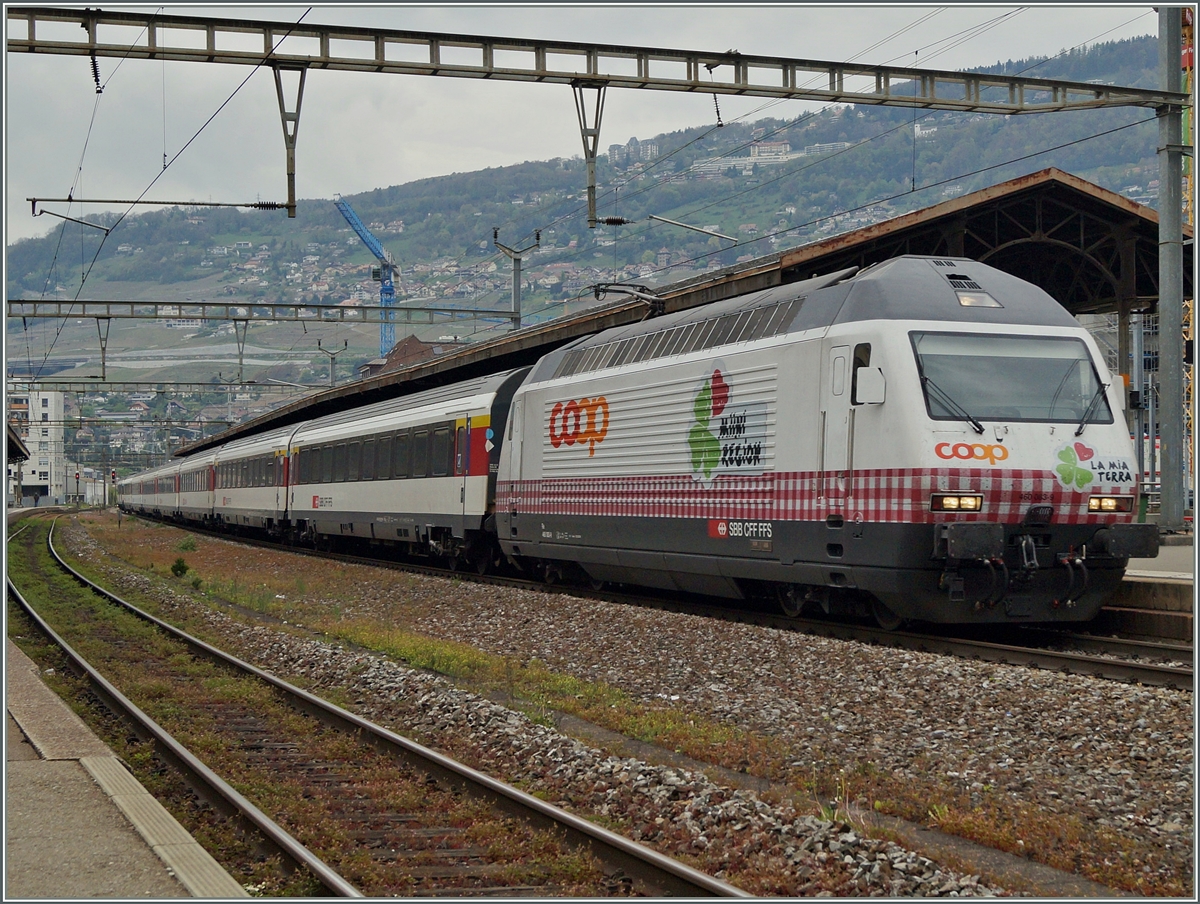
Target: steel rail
{"type": "Point", "coordinates": [1116, 645]}
{"type": "Point", "coordinates": [302, 45]}
{"type": "Point", "coordinates": [657, 870]}
{"type": "Point", "coordinates": [1013, 654]}
{"type": "Point", "coordinates": [201, 777]}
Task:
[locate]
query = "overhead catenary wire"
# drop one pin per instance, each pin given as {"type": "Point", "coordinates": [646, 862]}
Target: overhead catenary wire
{"type": "Point", "coordinates": [720, 124]}
{"type": "Point", "coordinates": [956, 39]}
{"type": "Point", "coordinates": [938, 183]}
{"type": "Point", "coordinates": [121, 217]}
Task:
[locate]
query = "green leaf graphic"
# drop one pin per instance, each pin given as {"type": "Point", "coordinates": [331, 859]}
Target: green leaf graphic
{"type": "Point", "coordinates": [1066, 473]}
{"type": "Point", "coordinates": [703, 404]}
{"type": "Point", "coordinates": [1068, 455]}
{"type": "Point", "coordinates": [1082, 477]}
{"type": "Point", "coordinates": [706, 451]}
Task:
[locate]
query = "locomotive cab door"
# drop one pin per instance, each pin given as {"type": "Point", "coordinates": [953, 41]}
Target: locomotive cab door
{"type": "Point", "coordinates": [515, 444]}
{"type": "Point", "coordinates": [835, 427]}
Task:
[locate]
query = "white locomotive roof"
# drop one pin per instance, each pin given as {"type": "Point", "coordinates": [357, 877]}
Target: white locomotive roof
{"type": "Point", "coordinates": [909, 288]}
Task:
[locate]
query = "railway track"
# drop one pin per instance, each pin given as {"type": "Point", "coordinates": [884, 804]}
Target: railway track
{"type": "Point", "coordinates": [1114, 659]}
{"type": "Point", "coordinates": [360, 809]}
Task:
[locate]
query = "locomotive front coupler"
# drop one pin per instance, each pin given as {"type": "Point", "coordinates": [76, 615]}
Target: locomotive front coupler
{"type": "Point", "coordinates": [978, 543]}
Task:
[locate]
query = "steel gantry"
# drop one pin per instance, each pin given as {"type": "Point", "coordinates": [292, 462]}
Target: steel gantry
{"type": "Point", "coordinates": [244, 311]}
{"type": "Point", "coordinates": [299, 47]}
{"type": "Point", "coordinates": [107, 33]}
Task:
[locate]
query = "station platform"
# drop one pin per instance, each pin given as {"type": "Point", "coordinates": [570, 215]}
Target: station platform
{"type": "Point", "coordinates": [77, 823]}
{"type": "Point", "coordinates": [1157, 598]}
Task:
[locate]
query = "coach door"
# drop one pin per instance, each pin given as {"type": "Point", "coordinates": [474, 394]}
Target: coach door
{"type": "Point", "coordinates": [462, 458]}
{"type": "Point", "coordinates": [835, 426]}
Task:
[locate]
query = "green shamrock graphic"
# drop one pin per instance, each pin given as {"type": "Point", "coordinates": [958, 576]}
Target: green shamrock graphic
{"type": "Point", "coordinates": [703, 404]}
{"type": "Point", "coordinates": [1069, 471]}
{"type": "Point", "coordinates": [706, 451]}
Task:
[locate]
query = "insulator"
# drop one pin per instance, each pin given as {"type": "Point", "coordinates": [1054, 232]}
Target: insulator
{"type": "Point", "coordinates": [268, 205]}
{"type": "Point", "coordinates": [614, 221]}
{"type": "Point", "coordinates": [96, 75]}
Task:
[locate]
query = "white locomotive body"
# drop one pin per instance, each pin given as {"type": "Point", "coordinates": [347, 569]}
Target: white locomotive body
{"type": "Point", "coordinates": [933, 438]}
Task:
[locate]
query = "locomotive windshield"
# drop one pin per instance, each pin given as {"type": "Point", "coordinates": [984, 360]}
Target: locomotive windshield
{"type": "Point", "coordinates": [1009, 378]}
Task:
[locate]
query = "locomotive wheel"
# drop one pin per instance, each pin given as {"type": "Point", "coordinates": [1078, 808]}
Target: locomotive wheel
{"type": "Point", "coordinates": [789, 602]}
{"type": "Point", "coordinates": [885, 617]}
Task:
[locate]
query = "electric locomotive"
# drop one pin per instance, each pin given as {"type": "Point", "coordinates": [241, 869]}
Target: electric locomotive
{"type": "Point", "coordinates": [927, 439]}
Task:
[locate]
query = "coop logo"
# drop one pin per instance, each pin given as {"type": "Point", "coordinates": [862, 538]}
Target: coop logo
{"type": "Point", "coordinates": [579, 421]}
{"type": "Point", "coordinates": [725, 437]}
{"type": "Point", "coordinates": [322, 502]}
{"type": "Point", "coordinates": [991, 452]}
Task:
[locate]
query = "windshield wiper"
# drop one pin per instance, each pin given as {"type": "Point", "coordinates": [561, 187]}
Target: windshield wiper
{"type": "Point", "coordinates": [1088, 411]}
{"type": "Point", "coordinates": [952, 406]}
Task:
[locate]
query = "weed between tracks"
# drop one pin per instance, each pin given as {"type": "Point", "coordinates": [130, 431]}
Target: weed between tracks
{"type": "Point", "coordinates": [317, 594]}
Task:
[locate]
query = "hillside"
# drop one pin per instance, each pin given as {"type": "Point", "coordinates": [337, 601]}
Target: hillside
{"type": "Point", "coordinates": [771, 184]}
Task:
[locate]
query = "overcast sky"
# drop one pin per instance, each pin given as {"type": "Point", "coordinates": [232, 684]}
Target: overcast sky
{"type": "Point", "coordinates": [360, 131]}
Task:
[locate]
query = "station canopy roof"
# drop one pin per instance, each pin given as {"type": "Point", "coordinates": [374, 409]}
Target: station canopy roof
{"type": "Point", "coordinates": [1093, 250]}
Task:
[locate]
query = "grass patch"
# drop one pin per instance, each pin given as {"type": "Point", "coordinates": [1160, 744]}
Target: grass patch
{"type": "Point", "coordinates": [540, 692]}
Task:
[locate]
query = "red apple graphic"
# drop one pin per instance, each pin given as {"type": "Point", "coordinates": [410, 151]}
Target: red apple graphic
{"type": "Point", "coordinates": [1084, 452]}
{"type": "Point", "coordinates": [720, 394]}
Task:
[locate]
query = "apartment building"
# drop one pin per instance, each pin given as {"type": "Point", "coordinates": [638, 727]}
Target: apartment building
{"type": "Point", "coordinates": [38, 419]}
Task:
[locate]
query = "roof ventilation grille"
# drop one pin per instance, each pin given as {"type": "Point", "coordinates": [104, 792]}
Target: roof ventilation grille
{"type": "Point", "coordinates": [962, 282]}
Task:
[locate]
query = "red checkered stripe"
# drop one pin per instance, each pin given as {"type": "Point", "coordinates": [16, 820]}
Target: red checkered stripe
{"type": "Point", "coordinates": [883, 495]}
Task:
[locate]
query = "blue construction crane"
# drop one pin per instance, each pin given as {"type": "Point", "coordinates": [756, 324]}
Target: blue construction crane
{"type": "Point", "coordinates": [387, 265]}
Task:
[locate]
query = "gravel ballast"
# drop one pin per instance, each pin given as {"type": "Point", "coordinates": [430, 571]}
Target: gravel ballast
{"type": "Point", "coordinates": [1115, 755]}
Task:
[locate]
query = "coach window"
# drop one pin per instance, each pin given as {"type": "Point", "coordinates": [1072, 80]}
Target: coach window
{"type": "Point", "coordinates": [862, 358]}
{"type": "Point", "coordinates": [368, 459]}
{"type": "Point", "coordinates": [441, 452]}
{"type": "Point", "coordinates": [460, 450]}
{"type": "Point", "coordinates": [401, 452]}
{"type": "Point", "coordinates": [383, 456]}
{"type": "Point", "coordinates": [353, 461]}
{"type": "Point", "coordinates": [339, 463]}
{"type": "Point", "coordinates": [420, 453]}
{"type": "Point", "coordinates": [327, 464]}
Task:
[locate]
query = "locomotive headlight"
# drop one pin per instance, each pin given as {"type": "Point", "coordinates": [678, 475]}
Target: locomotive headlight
{"type": "Point", "coordinates": [1110, 504]}
{"type": "Point", "coordinates": [943, 502]}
